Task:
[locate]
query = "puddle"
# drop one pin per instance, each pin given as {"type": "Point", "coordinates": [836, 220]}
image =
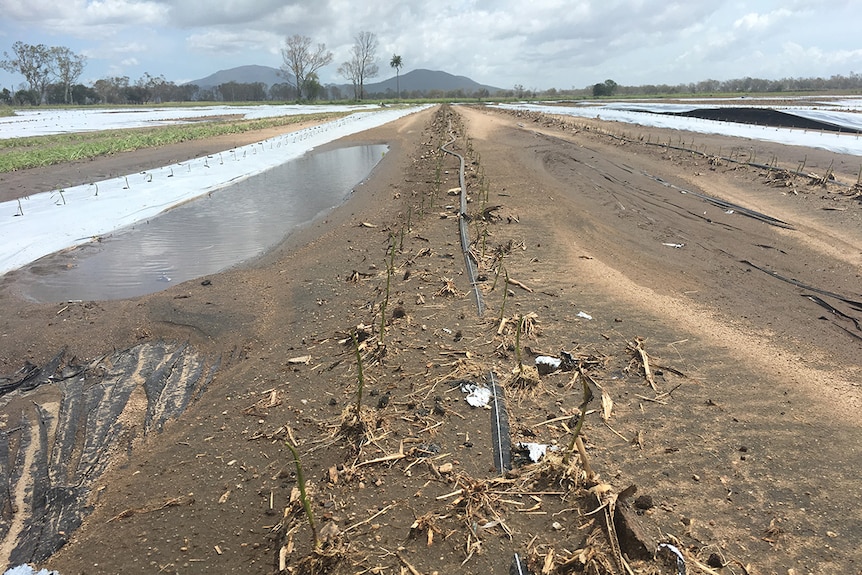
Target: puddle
{"type": "Point", "coordinates": [204, 236]}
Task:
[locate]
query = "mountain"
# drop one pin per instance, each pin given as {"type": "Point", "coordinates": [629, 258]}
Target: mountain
{"type": "Point", "coordinates": [242, 75]}
{"type": "Point", "coordinates": [424, 81]}
{"type": "Point", "coordinates": [419, 81]}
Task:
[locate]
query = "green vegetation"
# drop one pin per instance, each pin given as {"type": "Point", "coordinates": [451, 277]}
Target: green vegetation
{"type": "Point", "coordinates": [38, 151]}
{"type": "Point", "coordinates": [6, 111]}
{"type": "Point", "coordinates": [303, 495]}
{"type": "Point", "coordinates": [360, 378]}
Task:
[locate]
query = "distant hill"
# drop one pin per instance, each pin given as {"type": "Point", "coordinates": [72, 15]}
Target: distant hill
{"type": "Point", "coordinates": [416, 81]}
{"type": "Point", "coordinates": [424, 81]}
{"type": "Point", "coordinates": [242, 75]}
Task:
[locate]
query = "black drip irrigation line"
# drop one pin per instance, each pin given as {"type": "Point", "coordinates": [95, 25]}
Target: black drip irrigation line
{"type": "Point", "coordinates": [742, 210]}
{"type": "Point", "coordinates": [500, 435]}
{"type": "Point", "coordinates": [470, 264]}
{"type": "Point", "coordinates": [724, 204]}
{"type": "Point", "coordinates": [857, 305]}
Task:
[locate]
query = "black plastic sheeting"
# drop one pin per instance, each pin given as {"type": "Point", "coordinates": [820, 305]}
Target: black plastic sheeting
{"type": "Point", "coordinates": [70, 422]}
{"type": "Point", "coordinates": [759, 117]}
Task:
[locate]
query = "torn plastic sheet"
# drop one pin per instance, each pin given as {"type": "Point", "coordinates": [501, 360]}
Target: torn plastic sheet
{"type": "Point", "coordinates": [546, 364]}
{"type": "Point", "coordinates": [536, 451]}
{"type": "Point", "coordinates": [584, 315]}
{"type": "Point", "coordinates": [671, 245]}
{"type": "Point", "coordinates": [27, 570]}
{"type": "Point", "coordinates": [477, 395]}
{"type": "Point", "coordinates": [671, 551]}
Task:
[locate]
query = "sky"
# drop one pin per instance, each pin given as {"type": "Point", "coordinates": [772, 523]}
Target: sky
{"type": "Point", "coordinates": [538, 44]}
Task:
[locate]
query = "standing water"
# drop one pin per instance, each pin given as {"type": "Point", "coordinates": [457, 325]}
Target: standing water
{"type": "Point", "coordinates": [204, 236]}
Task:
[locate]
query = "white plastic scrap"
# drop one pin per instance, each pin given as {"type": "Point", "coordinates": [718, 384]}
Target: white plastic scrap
{"type": "Point", "coordinates": [536, 451]}
{"type": "Point", "coordinates": [680, 560]}
{"type": "Point", "coordinates": [673, 245]}
{"type": "Point", "coordinates": [477, 395]}
{"type": "Point", "coordinates": [584, 315]}
{"type": "Point", "coordinates": [27, 570]}
{"type": "Point", "coordinates": [548, 364]}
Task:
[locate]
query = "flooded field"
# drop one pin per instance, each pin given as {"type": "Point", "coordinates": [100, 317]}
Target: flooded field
{"type": "Point", "coordinates": [204, 236]}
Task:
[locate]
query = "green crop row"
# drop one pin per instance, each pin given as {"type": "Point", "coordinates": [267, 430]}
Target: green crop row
{"type": "Point", "coordinates": [40, 151]}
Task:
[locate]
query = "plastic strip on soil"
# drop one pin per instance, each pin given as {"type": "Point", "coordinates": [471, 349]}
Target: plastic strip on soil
{"type": "Point", "coordinates": [73, 423]}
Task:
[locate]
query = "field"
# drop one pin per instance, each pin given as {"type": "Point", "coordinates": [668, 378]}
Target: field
{"type": "Point", "coordinates": [709, 307]}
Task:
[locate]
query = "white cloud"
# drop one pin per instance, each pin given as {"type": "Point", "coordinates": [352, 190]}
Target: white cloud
{"type": "Point", "coordinates": [222, 41]}
{"type": "Point", "coordinates": [540, 43]}
{"type": "Point", "coordinates": [754, 22]}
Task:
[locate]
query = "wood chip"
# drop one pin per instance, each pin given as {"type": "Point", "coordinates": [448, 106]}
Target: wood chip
{"type": "Point", "coordinates": [515, 282]}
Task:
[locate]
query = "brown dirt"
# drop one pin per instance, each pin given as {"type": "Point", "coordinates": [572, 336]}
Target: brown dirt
{"type": "Point", "coordinates": [748, 447]}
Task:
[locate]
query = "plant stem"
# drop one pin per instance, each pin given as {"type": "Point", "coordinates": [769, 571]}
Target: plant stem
{"type": "Point", "coordinates": [518, 344]}
{"type": "Point", "coordinates": [505, 293]}
{"type": "Point", "coordinates": [306, 504]}
{"type": "Point", "coordinates": [360, 384]}
{"type": "Point", "coordinates": [390, 264]}
{"type": "Point", "coordinates": [583, 409]}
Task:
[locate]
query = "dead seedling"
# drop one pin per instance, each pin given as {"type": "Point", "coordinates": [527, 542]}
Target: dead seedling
{"type": "Point", "coordinates": [425, 523]}
{"type": "Point", "coordinates": [272, 398]}
{"type": "Point", "coordinates": [524, 377]}
{"type": "Point", "coordinates": [636, 348]}
{"type": "Point", "coordinates": [449, 289]}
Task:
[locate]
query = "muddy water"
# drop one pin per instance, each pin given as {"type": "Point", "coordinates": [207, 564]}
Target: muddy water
{"type": "Point", "coordinates": [201, 237]}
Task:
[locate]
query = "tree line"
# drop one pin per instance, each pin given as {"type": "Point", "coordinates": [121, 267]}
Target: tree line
{"type": "Point", "coordinates": [51, 75]}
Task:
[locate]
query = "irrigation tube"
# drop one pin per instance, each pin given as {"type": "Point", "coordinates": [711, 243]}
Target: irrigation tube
{"type": "Point", "coordinates": [501, 442]}
{"type": "Point", "coordinates": [470, 264]}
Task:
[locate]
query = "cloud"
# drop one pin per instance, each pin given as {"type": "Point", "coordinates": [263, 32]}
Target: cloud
{"type": "Point", "coordinates": [84, 18]}
{"type": "Point", "coordinates": [223, 41]}
{"type": "Point", "coordinates": [247, 13]}
{"type": "Point", "coordinates": [754, 22]}
{"type": "Point", "coordinates": [541, 43]}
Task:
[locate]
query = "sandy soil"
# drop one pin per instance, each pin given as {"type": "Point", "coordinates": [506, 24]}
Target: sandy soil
{"type": "Point", "coordinates": [746, 445]}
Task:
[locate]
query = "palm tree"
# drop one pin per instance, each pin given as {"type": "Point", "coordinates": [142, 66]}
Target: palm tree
{"type": "Point", "coordinates": [397, 64]}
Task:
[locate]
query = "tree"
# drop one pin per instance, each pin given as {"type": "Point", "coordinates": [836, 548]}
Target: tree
{"type": "Point", "coordinates": [312, 87]}
{"type": "Point", "coordinates": [350, 72]}
{"type": "Point", "coordinates": [34, 62]}
{"type": "Point", "coordinates": [282, 91]}
{"type": "Point", "coordinates": [68, 68]}
{"type": "Point", "coordinates": [361, 65]}
{"type": "Point", "coordinates": [396, 63]}
{"type": "Point", "coordinates": [302, 61]}
{"type": "Point", "coordinates": [607, 88]}
{"type": "Point", "coordinates": [112, 90]}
